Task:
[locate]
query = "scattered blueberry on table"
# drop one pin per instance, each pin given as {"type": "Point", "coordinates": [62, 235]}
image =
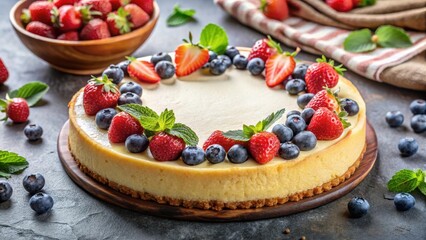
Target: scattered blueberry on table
{"type": "Point", "coordinates": [358, 207]}
{"type": "Point", "coordinates": [404, 201]}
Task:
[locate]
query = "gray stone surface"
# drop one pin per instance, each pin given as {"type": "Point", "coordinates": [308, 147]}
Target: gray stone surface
{"type": "Point", "coordinates": [78, 215]}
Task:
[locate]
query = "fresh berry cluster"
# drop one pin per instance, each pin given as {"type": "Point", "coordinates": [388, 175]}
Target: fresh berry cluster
{"type": "Point", "coordinates": [408, 146]}
{"type": "Point", "coordinates": [40, 202]}
{"type": "Point", "coordinates": [76, 20]}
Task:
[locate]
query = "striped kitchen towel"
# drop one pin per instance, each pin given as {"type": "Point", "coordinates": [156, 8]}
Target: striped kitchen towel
{"type": "Point", "coordinates": [319, 39]}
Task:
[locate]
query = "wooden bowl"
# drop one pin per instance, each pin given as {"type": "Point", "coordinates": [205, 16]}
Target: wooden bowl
{"type": "Point", "coordinates": [81, 57]}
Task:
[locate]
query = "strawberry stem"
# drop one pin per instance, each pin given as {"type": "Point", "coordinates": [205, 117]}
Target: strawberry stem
{"type": "Point", "coordinates": [271, 43]}
{"type": "Point", "coordinates": [339, 69]}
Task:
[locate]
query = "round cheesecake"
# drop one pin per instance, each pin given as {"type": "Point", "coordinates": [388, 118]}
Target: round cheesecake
{"type": "Point", "coordinates": [207, 103]}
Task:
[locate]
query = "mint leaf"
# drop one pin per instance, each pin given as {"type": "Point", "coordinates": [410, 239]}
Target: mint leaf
{"type": "Point", "coordinates": [147, 117]}
{"type": "Point", "coordinates": [422, 188]}
{"type": "Point", "coordinates": [32, 92]}
{"type": "Point", "coordinates": [11, 163]}
{"type": "Point", "coordinates": [238, 135]}
{"type": "Point", "coordinates": [359, 41]}
{"type": "Point", "coordinates": [184, 132]}
{"type": "Point", "coordinates": [214, 38]}
{"type": "Point", "coordinates": [249, 131]}
{"type": "Point", "coordinates": [180, 16]}
{"type": "Point", "coordinates": [166, 119]}
{"type": "Point", "coordinates": [405, 181]}
{"type": "Point", "coordinates": [393, 37]}
{"type": "Point", "coordinates": [271, 119]}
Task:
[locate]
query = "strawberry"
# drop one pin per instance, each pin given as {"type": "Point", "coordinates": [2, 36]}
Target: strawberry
{"type": "Point", "coordinates": [264, 146]}
{"type": "Point", "coordinates": [4, 74]}
{"type": "Point", "coordinates": [118, 23]}
{"type": "Point", "coordinates": [41, 29]}
{"type": "Point", "coordinates": [138, 17]}
{"type": "Point", "coordinates": [16, 109]}
{"type": "Point", "coordinates": [116, 4]}
{"type": "Point", "coordinates": [99, 93]}
{"type": "Point", "coordinates": [142, 71]}
{"type": "Point", "coordinates": [190, 57]}
{"type": "Point", "coordinates": [356, 3]}
{"type": "Point", "coordinates": [40, 11]}
{"type": "Point", "coordinates": [95, 29]}
{"type": "Point", "coordinates": [275, 9]}
{"type": "Point", "coordinates": [324, 98]}
{"type": "Point", "coordinates": [327, 125]}
{"type": "Point", "coordinates": [261, 49]}
{"type": "Point", "coordinates": [217, 138]}
{"type": "Point", "coordinates": [166, 147]}
{"type": "Point", "coordinates": [60, 3]}
{"type": "Point", "coordinates": [102, 6]}
{"type": "Point", "coordinates": [122, 126]}
{"type": "Point", "coordinates": [340, 5]}
{"type": "Point", "coordinates": [146, 5]}
{"type": "Point", "coordinates": [279, 65]}
{"type": "Point", "coordinates": [70, 36]}
{"type": "Point", "coordinates": [322, 74]}
{"type": "Point", "coordinates": [66, 18]}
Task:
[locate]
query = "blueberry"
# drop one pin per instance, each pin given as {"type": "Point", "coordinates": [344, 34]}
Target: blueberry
{"type": "Point", "coordinates": [394, 118]}
{"type": "Point", "coordinates": [215, 153]}
{"type": "Point", "coordinates": [33, 132]}
{"type": "Point", "coordinates": [165, 69]}
{"type": "Point", "coordinates": [358, 207]}
{"type": "Point", "coordinates": [231, 52]}
{"type": "Point", "coordinates": [33, 183]}
{"type": "Point", "coordinates": [404, 201]}
{"type": "Point", "coordinates": [240, 61]}
{"type": "Point", "coordinates": [418, 123]}
{"type": "Point", "coordinates": [193, 155]}
{"type": "Point", "coordinates": [293, 112]}
{"type": "Point", "coordinates": [162, 56]}
{"type": "Point", "coordinates": [217, 67]}
{"type": "Point", "coordinates": [283, 132]}
{"type": "Point", "coordinates": [123, 65]}
{"type": "Point", "coordinates": [408, 146]}
{"type": "Point", "coordinates": [304, 99]}
{"type": "Point", "coordinates": [226, 60]}
{"type": "Point", "coordinates": [41, 202]}
{"type": "Point", "coordinates": [136, 143]}
{"type": "Point", "coordinates": [104, 117]}
{"type": "Point", "coordinates": [307, 114]}
{"type": "Point", "coordinates": [418, 106]}
{"type": "Point", "coordinates": [131, 87]}
{"type": "Point", "coordinates": [256, 66]}
{"type": "Point", "coordinates": [289, 151]}
{"type": "Point", "coordinates": [295, 123]}
{"type": "Point", "coordinates": [295, 86]}
{"type": "Point", "coordinates": [115, 73]}
{"type": "Point", "coordinates": [300, 71]}
{"type": "Point", "coordinates": [350, 106]}
{"type": "Point", "coordinates": [5, 191]}
{"type": "Point", "coordinates": [129, 97]}
{"type": "Point", "coordinates": [305, 140]}
{"type": "Point", "coordinates": [212, 55]}
{"type": "Point", "coordinates": [237, 154]}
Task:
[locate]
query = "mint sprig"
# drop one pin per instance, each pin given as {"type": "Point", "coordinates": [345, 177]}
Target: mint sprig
{"type": "Point", "coordinates": [163, 122]}
{"type": "Point", "coordinates": [180, 16]}
{"type": "Point", "coordinates": [214, 38]}
{"type": "Point", "coordinates": [407, 180]}
{"type": "Point", "coordinates": [249, 130]}
{"type": "Point", "coordinates": [385, 36]}
{"type": "Point", "coordinates": [32, 92]}
{"type": "Point", "coordinates": [11, 163]}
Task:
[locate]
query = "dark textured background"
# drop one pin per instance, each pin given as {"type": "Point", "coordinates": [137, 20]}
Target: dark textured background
{"type": "Point", "coordinates": [77, 215]}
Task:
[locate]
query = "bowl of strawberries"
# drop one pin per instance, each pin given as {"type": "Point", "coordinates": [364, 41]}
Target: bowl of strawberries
{"type": "Point", "coordinates": [83, 36]}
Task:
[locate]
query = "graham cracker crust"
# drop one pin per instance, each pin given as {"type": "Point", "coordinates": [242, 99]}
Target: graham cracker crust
{"type": "Point", "coordinates": [220, 205]}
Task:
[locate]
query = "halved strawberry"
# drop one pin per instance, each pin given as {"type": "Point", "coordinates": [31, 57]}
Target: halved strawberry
{"type": "Point", "coordinates": [279, 65]}
{"type": "Point", "coordinates": [143, 71]}
{"type": "Point", "coordinates": [190, 57]}
{"type": "Point", "coordinates": [324, 98]}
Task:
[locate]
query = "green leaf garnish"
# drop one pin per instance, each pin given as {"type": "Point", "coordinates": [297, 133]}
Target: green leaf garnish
{"type": "Point", "coordinates": [359, 41]}
{"type": "Point", "coordinates": [180, 16]}
{"type": "Point", "coordinates": [392, 37]}
{"type": "Point", "coordinates": [184, 132]}
{"type": "Point", "coordinates": [11, 163]}
{"type": "Point", "coordinates": [214, 38]}
{"type": "Point", "coordinates": [422, 188]}
{"type": "Point", "coordinates": [32, 92]}
{"type": "Point", "coordinates": [405, 180]}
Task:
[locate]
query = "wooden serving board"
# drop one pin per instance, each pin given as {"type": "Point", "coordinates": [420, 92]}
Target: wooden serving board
{"type": "Point", "coordinates": [109, 195]}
